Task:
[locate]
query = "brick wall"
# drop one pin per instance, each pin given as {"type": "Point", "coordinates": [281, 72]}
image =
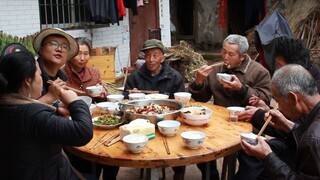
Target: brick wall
{"type": "Point", "coordinates": [21, 18]}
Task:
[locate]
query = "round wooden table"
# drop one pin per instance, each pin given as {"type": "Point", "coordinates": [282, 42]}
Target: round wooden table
{"type": "Point", "coordinates": [223, 139]}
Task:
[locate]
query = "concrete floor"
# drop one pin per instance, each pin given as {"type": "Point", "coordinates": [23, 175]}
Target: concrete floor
{"type": "Point", "coordinates": [192, 172]}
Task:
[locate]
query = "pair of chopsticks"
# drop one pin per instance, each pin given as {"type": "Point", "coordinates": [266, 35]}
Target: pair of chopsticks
{"type": "Point", "coordinates": [148, 91]}
{"type": "Point", "coordinates": [212, 65]}
{"type": "Point", "coordinates": [106, 141]}
{"type": "Point", "coordinates": [165, 143]}
{"type": "Point", "coordinates": [69, 88]}
{"type": "Point", "coordinates": [116, 139]}
{"type": "Point", "coordinates": [266, 122]}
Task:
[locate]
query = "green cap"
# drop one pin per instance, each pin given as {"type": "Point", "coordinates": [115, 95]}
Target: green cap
{"type": "Point", "coordinates": [153, 43]}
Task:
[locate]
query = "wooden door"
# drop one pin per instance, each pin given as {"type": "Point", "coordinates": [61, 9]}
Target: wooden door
{"type": "Point", "coordinates": [148, 17]}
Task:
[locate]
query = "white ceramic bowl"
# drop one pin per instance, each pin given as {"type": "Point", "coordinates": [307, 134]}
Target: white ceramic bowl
{"type": "Point", "coordinates": [193, 139]}
{"type": "Point", "coordinates": [92, 107]}
{"type": "Point", "coordinates": [249, 138]}
{"type": "Point", "coordinates": [86, 99]}
{"type": "Point", "coordinates": [95, 91]}
{"type": "Point", "coordinates": [183, 97]}
{"type": "Point", "coordinates": [235, 110]}
{"type": "Point", "coordinates": [196, 115]}
{"type": "Point", "coordinates": [157, 96]}
{"type": "Point", "coordinates": [168, 127]}
{"type": "Point", "coordinates": [115, 97]}
{"type": "Point", "coordinates": [135, 142]}
{"type": "Point", "coordinates": [134, 96]}
{"type": "Point", "coordinates": [106, 105]}
{"type": "Point", "coordinates": [224, 76]}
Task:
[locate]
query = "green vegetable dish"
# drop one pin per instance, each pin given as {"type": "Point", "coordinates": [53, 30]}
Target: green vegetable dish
{"type": "Point", "coordinates": [107, 119]}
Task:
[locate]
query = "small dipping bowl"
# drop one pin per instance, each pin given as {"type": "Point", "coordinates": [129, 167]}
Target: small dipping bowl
{"type": "Point", "coordinates": [183, 97]}
{"type": "Point", "coordinates": [193, 139]}
{"type": "Point", "coordinates": [115, 97]}
{"type": "Point", "coordinates": [94, 91]}
{"type": "Point", "coordinates": [134, 96]}
{"type": "Point", "coordinates": [135, 142]}
{"type": "Point", "coordinates": [168, 127]}
{"type": "Point", "coordinates": [106, 105]}
{"type": "Point", "coordinates": [249, 138]}
{"type": "Point", "coordinates": [234, 111]}
{"type": "Point", "coordinates": [224, 76]}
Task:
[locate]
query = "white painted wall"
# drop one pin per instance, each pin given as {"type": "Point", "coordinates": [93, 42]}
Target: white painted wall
{"type": "Point", "coordinates": [164, 15]}
{"type": "Point", "coordinates": [21, 18]}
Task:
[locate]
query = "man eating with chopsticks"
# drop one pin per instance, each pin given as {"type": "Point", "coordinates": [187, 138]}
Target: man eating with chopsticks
{"type": "Point", "coordinates": [295, 90]}
{"type": "Point", "coordinates": [247, 78]}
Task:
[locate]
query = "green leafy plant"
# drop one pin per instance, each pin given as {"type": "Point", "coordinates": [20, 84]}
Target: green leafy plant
{"type": "Point", "coordinates": [6, 39]}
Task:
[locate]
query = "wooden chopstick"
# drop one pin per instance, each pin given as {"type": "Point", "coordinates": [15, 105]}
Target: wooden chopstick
{"type": "Point", "coordinates": [148, 91]}
{"type": "Point", "coordinates": [114, 141]}
{"type": "Point", "coordinates": [105, 141]}
{"type": "Point", "coordinates": [69, 88]}
{"type": "Point", "coordinates": [266, 122]}
{"type": "Point", "coordinates": [212, 65]}
{"type": "Point", "coordinates": [165, 143]}
{"type": "Point", "coordinates": [110, 139]}
{"type": "Point", "coordinates": [99, 140]}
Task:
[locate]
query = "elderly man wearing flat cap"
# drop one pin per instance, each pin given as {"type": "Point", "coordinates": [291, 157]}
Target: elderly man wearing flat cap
{"type": "Point", "coordinates": [155, 74]}
{"type": "Point", "coordinates": [54, 47]}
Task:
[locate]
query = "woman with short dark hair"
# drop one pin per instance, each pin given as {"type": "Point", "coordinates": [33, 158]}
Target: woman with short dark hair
{"type": "Point", "coordinates": [31, 133]}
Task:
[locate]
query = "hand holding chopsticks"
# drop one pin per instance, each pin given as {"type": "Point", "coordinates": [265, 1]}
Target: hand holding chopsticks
{"type": "Point", "coordinates": [214, 65]}
{"type": "Point", "coordinates": [266, 122]}
{"type": "Point", "coordinates": [69, 88]}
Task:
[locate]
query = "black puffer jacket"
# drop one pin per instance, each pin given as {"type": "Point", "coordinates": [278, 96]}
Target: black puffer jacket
{"type": "Point", "coordinates": [169, 81]}
{"type": "Point", "coordinates": [32, 135]}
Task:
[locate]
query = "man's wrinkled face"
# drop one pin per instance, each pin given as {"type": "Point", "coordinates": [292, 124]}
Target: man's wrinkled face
{"type": "Point", "coordinates": [286, 105]}
{"type": "Point", "coordinates": [231, 56]}
{"type": "Point", "coordinates": [154, 57]}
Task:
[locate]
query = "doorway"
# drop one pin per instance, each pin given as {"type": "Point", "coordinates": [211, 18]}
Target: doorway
{"type": "Point", "coordinates": [148, 17]}
{"type": "Point", "coordinates": [184, 19]}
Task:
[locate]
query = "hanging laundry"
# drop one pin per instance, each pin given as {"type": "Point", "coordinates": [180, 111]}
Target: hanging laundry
{"type": "Point", "coordinates": [121, 9]}
{"type": "Point", "coordinates": [102, 11]}
{"type": "Point", "coordinates": [140, 3]}
{"type": "Point", "coordinates": [132, 4]}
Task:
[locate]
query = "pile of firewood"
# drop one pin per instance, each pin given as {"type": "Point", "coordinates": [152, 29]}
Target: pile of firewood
{"type": "Point", "coordinates": [189, 60]}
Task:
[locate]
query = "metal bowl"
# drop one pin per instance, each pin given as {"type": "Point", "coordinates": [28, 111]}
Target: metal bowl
{"type": "Point", "coordinates": [175, 105]}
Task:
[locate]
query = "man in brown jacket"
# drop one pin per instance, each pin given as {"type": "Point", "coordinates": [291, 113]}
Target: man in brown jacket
{"type": "Point", "coordinates": [247, 78]}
